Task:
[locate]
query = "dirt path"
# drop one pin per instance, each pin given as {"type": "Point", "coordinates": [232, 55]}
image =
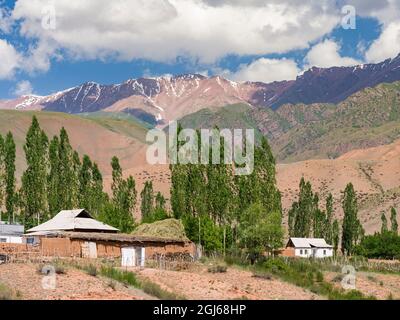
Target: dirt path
{"type": "Point", "coordinates": [234, 284]}
{"type": "Point", "coordinates": [376, 284]}
{"type": "Point", "coordinates": [25, 280]}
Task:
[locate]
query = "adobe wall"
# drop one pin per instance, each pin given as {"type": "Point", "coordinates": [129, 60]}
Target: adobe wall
{"type": "Point", "coordinates": [287, 252]}
{"type": "Point", "coordinates": [14, 248]}
{"type": "Point", "coordinates": [65, 247]}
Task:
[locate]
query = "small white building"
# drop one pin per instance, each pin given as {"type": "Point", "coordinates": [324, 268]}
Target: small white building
{"type": "Point", "coordinates": [11, 233]}
{"type": "Point", "coordinates": [310, 247]}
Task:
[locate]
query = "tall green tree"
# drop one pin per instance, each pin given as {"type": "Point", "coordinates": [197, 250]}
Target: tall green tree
{"type": "Point", "coordinates": [393, 220]}
{"type": "Point", "coordinates": [34, 182]}
{"type": "Point", "coordinates": [329, 215]}
{"type": "Point", "coordinates": [351, 228]}
{"type": "Point", "coordinates": [53, 179]}
{"type": "Point", "coordinates": [260, 230]}
{"type": "Point", "coordinates": [147, 200]}
{"type": "Point", "coordinates": [303, 211]}
{"type": "Point", "coordinates": [160, 201]}
{"type": "Point", "coordinates": [9, 160]}
{"type": "Point", "coordinates": [335, 235]}
{"type": "Point", "coordinates": [119, 212]}
{"type": "Point", "coordinates": [384, 227]}
{"type": "Point", "coordinates": [2, 174]}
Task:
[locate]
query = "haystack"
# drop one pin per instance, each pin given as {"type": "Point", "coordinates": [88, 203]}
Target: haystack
{"type": "Point", "coordinates": [168, 228]}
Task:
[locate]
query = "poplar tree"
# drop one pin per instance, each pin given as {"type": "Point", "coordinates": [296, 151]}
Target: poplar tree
{"type": "Point", "coordinates": [119, 212]}
{"type": "Point", "coordinates": [351, 228]}
{"type": "Point", "coordinates": [9, 160]}
{"type": "Point", "coordinates": [66, 172]}
{"type": "Point", "coordinates": [335, 235]}
{"type": "Point", "coordinates": [393, 220]}
{"type": "Point", "coordinates": [34, 182]}
{"type": "Point", "coordinates": [2, 174]}
{"type": "Point", "coordinates": [53, 178]}
{"type": "Point", "coordinates": [160, 201]}
{"type": "Point", "coordinates": [85, 183]}
{"type": "Point", "coordinates": [328, 223]}
{"type": "Point", "coordinates": [303, 211]}
{"type": "Point", "coordinates": [147, 200]}
{"type": "Point", "coordinates": [384, 227]}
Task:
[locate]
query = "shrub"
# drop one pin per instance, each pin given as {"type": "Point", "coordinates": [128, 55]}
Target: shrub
{"type": "Point", "coordinates": [217, 268]}
{"type": "Point", "coordinates": [6, 293]}
{"type": "Point", "coordinates": [91, 270]}
{"type": "Point", "coordinates": [125, 277]}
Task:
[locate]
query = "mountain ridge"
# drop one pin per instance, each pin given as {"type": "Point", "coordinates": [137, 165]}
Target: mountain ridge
{"type": "Point", "coordinates": [170, 98]}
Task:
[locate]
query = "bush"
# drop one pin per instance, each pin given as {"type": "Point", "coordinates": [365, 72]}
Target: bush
{"type": "Point", "coordinates": [125, 277]}
{"type": "Point", "coordinates": [6, 293]}
{"type": "Point", "coordinates": [217, 269]}
{"type": "Point", "coordinates": [155, 290]}
{"type": "Point", "coordinates": [91, 270]}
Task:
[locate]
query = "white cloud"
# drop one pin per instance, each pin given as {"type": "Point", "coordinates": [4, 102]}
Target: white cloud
{"type": "Point", "coordinates": [161, 30]}
{"type": "Point", "coordinates": [326, 54]}
{"type": "Point", "coordinates": [266, 70]}
{"type": "Point", "coordinates": [387, 45]}
{"type": "Point", "coordinates": [9, 60]}
{"type": "Point", "coordinates": [23, 88]}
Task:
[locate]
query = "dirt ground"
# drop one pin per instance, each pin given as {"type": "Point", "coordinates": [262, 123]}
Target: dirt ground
{"type": "Point", "coordinates": [26, 282]}
{"type": "Point", "coordinates": [198, 283]}
{"type": "Point", "coordinates": [376, 284]}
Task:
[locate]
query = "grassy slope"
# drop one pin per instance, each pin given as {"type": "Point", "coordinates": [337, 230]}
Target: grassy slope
{"type": "Point", "coordinates": [100, 138]}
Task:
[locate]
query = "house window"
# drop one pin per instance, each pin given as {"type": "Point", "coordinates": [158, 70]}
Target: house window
{"type": "Point", "coordinates": [324, 252]}
{"type": "Point", "coordinates": [306, 251]}
{"type": "Point", "coordinates": [3, 240]}
{"type": "Point", "coordinates": [30, 240]}
{"type": "Point", "coordinates": [301, 251]}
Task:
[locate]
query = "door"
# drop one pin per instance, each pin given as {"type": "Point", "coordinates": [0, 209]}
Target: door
{"type": "Point", "coordinates": [140, 256]}
{"type": "Point", "coordinates": [89, 250]}
{"type": "Point", "coordinates": [128, 257]}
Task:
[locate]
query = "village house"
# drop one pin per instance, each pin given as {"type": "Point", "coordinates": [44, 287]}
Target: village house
{"type": "Point", "coordinates": [74, 233]}
{"type": "Point", "coordinates": [11, 233]}
{"type": "Point", "coordinates": [307, 248]}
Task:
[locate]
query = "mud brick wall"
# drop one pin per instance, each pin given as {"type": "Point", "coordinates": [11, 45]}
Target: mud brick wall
{"type": "Point", "coordinates": [56, 247]}
{"type": "Point", "coordinates": [14, 248]}
{"type": "Point", "coordinates": [288, 252]}
{"type": "Point", "coordinates": [161, 248]}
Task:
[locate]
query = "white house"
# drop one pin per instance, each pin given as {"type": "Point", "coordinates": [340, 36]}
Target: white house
{"type": "Point", "coordinates": [310, 247]}
{"type": "Point", "coordinates": [11, 233]}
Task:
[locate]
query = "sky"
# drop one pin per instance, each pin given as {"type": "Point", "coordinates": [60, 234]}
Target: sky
{"type": "Point", "coordinates": [51, 45]}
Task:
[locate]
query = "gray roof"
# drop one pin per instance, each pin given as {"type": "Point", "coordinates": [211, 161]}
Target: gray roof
{"type": "Point", "coordinates": [309, 243]}
{"type": "Point", "coordinates": [11, 229]}
{"type": "Point", "coordinates": [73, 220]}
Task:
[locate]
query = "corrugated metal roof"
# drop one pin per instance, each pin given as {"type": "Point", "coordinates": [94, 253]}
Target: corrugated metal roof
{"type": "Point", "coordinates": [70, 220]}
{"type": "Point", "coordinates": [309, 242]}
{"type": "Point", "coordinates": [11, 229]}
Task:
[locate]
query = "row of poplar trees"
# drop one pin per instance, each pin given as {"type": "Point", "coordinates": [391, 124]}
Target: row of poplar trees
{"type": "Point", "coordinates": [56, 178]}
{"type": "Point", "coordinates": [210, 200]}
{"type": "Point", "coordinates": [306, 219]}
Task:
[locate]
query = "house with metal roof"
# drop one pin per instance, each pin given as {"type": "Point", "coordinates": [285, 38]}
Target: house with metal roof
{"type": "Point", "coordinates": [72, 220]}
{"type": "Point", "coordinates": [309, 248]}
{"type": "Point", "coordinates": [11, 233]}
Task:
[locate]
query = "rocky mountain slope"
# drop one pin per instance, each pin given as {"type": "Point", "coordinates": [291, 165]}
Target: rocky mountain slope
{"type": "Point", "coordinates": [165, 98]}
{"type": "Point", "coordinates": [366, 119]}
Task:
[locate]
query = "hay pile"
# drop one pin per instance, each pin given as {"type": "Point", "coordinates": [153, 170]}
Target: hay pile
{"type": "Point", "coordinates": [167, 229]}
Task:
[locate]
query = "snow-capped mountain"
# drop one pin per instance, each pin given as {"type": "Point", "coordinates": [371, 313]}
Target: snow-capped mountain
{"type": "Point", "coordinates": [166, 98]}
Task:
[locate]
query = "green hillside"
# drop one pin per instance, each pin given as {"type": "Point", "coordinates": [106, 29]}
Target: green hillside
{"type": "Point", "coordinates": [368, 118]}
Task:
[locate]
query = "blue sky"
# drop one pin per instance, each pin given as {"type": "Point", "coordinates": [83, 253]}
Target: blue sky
{"type": "Point", "coordinates": [116, 47]}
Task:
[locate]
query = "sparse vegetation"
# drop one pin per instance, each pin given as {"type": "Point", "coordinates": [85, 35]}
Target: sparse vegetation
{"type": "Point", "coordinates": [218, 268]}
{"type": "Point", "coordinates": [306, 274]}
